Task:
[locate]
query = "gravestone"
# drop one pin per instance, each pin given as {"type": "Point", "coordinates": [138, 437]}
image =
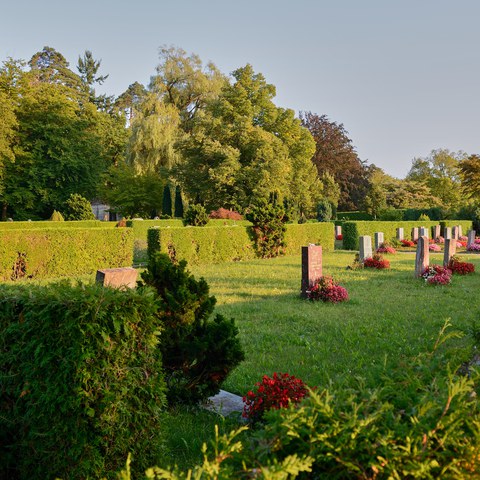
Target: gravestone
{"type": "Point", "coordinates": [455, 232]}
{"type": "Point", "coordinates": [378, 239]}
{"type": "Point", "coordinates": [422, 258]}
{"type": "Point", "coordinates": [447, 233]}
{"type": "Point", "coordinates": [400, 233]}
{"type": "Point", "coordinates": [460, 232]}
{"type": "Point", "coordinates": [449, 252]}
{"type": "Point", "coordinates": [365, 251]}
{"type": "Point", "coordinates": [338, 230]}
{"type": "Point", "coordinates": [436, 232]}
{"type": "Point", "coordinates": [311, 267]}
{"type": "Point", "coordinates": [423, 232]}
{"type": "Point", "coordinates": [414, 234]}
{"type": "Point", "coordinates": [471, 237]}
{"type": "Point", "coordinates": [125, 277]}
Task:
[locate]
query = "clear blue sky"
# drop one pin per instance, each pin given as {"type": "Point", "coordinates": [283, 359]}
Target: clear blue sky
{"type": "Point", "coordinates": [402, 76]}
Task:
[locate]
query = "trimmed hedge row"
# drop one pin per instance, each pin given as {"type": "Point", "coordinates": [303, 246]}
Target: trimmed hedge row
{"type": "Point", "coordinates": [57, 225]}
{"type": "Point", "coordinates": [63, 252]}
{"type": "Point", "coordinates": [198, 245]}
{"type": "Point", "coordinates": [81, 381]}
{"type": "Point", "coordinates": [352, 230]}
{"type": "Point", "coordinates": [354, 216]}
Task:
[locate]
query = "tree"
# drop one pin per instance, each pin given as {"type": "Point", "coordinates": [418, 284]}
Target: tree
{"type": "Point", "coordinates": [88, 68]}
{"type": "Point", "coordinates": [375, 201]}
{"type": "Point", "coordinates": [78, 208]}
{"type": "Point", "coordinates": [128, 103]}
{"type": "Point", "coordinates": [336, 155]}
{"type": "Point", "coordinates": [167, 201]}
{"type": "Point", "coordinates": [469, 170]}
{"type": "Point", "coordinates": [178, 203]}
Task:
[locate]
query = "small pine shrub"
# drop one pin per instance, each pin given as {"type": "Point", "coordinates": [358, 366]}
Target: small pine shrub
{"type": "Point", "coordinates": [196, 216]}
{"type": "Point", "coordinates": [324, 211]}
{"type": "Point", "coordinates": [56, 217]}
{"type": "Point", "coordinates": [268, 229]}
{"type": "Point", "coordinates": [423, 218]}
{"type": "Point", "coordinates": [78, 208]}
{"type": "Point", "coordinates": [197, 352]}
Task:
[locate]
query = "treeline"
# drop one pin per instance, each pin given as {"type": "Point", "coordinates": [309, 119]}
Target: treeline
{"type": "Point", "coordinates": [193, 135]}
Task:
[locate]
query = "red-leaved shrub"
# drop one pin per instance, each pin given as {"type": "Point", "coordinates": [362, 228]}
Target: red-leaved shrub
{"type": "Point", "coordinates": [407, 243]}
{"type": "Point", "coordinates": [327, 290]}
{"type": "Point", "coordinates": [459, 267]}
{"type": "Point", "coordinates": [272, 394]}
{"type": "Point", "coordinates": [377, 261]}
{"type": "Point", "coordinates": [224, 214]}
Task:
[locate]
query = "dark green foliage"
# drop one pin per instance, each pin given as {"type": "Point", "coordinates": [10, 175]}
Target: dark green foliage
{"type": "Point", "coordinates": [354, 216]}
{"type": "Point", "coordinates": [471, 212]}
{"type": "Point", "coordinates": [324, 211]}
{"type": "Point", "coordinates": [78, 208]}
{"type": "Point", "coordinates": [81, 381]}
{"type": "Point", "coordinates": [167, 202]}
{"type": "Point", "coordinates": [435, 213]}
{"type": "Point", "coordinates": [268, 228]}
{"type": "Point", "coordinates": [391, 215]}
{"type": "Point", "coordinates": [56, 217]}
{"type": "Point", "coordinates": [198, 353]}
{"type": "Point", "coordinates": [196, 215]}
{"type": "Point", "coordinates": [178, 213]}
{"type": "Point", "coordinates": [65, 252]}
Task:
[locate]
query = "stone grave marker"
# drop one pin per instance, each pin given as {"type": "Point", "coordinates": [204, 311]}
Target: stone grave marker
{"type": "Point", "coordinates": [422, 258]}
{"type": "Point", "coordinates": [311, 266]}
{"type": "Point", "coordinates": [400, 233]}
{"type": "Point", "coordinates": [378, 239]}
{"type": "Point", "coordinates": [338, 230]}
{"type": "Point", "coordinates": [365, 243]}
{"type": "Point", "coordinates": [436, 232]}
{"type": "Point", "coordinates": [471, 237]}
{"type": "Point", "coordinates": [125, 277]}
{"type": "Point", "coordinates": [447, 233]}
{"type": "Point", "coordinates": [414, 234]}
{"type": "Point", "coordinates": [449, 252]}
{"type": "Point", "coordinates": [423, 232]}
{"type": "Point", "coordinates": [460, 233]}
{"type": "Point", "coordinates": [455, 232]}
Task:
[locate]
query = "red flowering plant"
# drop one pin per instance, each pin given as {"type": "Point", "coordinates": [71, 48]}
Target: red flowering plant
{"type": "Point", "coordinates": [327, 290]}
{"type": "Point", "coordinates": [407, 243]}
{"type": "Point", "coordinates": [339, 237]}
{"type": "Point", "coordinates": [385, 248]}
{"type": "Point", "coordinates": [459, 267]}
{"type": "Point", "coordinates": [273, 393]}
{"type": "Point", "coordinates": [377, 261]}
{"type": "Point", "coordinates": [437, 275]}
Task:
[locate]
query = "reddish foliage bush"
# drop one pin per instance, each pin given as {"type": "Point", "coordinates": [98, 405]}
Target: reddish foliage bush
{"type": "Point", "coordinates": [377, 261]}
{"type": "Point", "coordinates": [385, 248]}
{"type": "Point", "coordinates": [459, 267]}
{"type": "Point", "coordinates": [407, 243]}
{"type": "Point", "coordinates": [121, 223]}
{"type": "Point", "coordinates": [327, 290]}
{"type": "Point", "coordinates": [272, 394]}
{"type": "Point", "coordinates": [437, 275]}
{"type": "Point", "coordinates": [224, 214]}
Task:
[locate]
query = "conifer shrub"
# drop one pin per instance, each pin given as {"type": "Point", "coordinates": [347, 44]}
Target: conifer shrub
{"type": "Point", "coordinates": [56, 217]}
{"type": "Point", "coordinates": [198, 352]}
{"type": "Point", "coordinates": [178, 204]}
{"type": "Point", "coordinates": [78, 208]}
{"type": "Point", "coordinates": [81, 381]}
{"type": "Point", "coordinates": [196, 215]}
{"type": "Point", "coordinates": [269, 229]}
{"type": "Point", "coordinates": [324, 211]}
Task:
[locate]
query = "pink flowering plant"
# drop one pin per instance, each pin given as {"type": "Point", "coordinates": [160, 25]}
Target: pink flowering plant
{"type": "Point", "coordinates": [273, 393]}
{"type": "Point", "coordinates": [327, 289]}
{"type": "Point", "coordinates": [434, 248]}
{"type": "Point", "coordinates": [437, 275]}
{"type": "Point", "coordinates": [474, 247]}
{"type": "Point", "coordinates": [386, 248]}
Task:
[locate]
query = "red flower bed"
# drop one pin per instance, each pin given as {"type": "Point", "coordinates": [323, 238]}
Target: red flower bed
{"type": "Point", "coordinates": [377, 261]}
{"type": "Point", "coordinates": [407, 243]}
{"type": "Point", "coordinates": [327, 290]}
{"type": "Point", "coordinates": [272, 394]}
{"type": "Point", "coordinates": [437, 275]}
{"type": "Point", "coordinates": [224, 214]}
{"type": "Point", "coordinates": [339, 237]}
{"type": "Point", "coordinates": [460, 268]}
{"type": "Point", "coordinates": [385, 249]}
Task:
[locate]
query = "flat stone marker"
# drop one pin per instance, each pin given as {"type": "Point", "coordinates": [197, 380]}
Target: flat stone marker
{"type": "Point", "coordinates": [436, 232]}
{"type": "Point", "coordinates": [311, 267]}
{"type": "Point", "coordinates": [400, 234]}
{"type": "Point", "coordinates": [471, 237]}
{"type": "Point", "coordinates": [423, 232]}
{"type": "Point", "coordinates": [414, 234]}
{"type": "Point", "coordinates": [422, 258]}
{"type": "Point", "coordinates": [225, 403]}
{"type": "Point", "coordinates": [455, 232]}
{"type": "Point", "coordinates": [338, 230]}
{"type": "Point", "coordinates": [378, 239]}
{"type": "Point", "coordinates": [365, 244]}
{"type": "Point", "coordinates": [125, 277]}
{"type": "Point", "coordinates": [447, 233]}
{"type": "Point", "coordinates": [449, 252]}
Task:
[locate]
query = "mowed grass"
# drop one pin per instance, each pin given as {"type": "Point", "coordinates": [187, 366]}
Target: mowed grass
{"type": "Point", "coordinates": [390, 316]}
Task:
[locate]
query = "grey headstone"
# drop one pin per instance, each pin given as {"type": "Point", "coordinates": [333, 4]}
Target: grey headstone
{"type": "Point", "coordinates": [400, 234]}
{"type": "Point", "coordinates": [414, 234]}
{"type": "Point", "coordinates": [422, 258]}
{"type": "Point", "coordinates": [338, 230]}
{"type": "Point", "coordinates": [449, 252]}
{"type": "Point", "coordinates": [447, 233]}
{"type": "Point", "coordinates": [423, 232]}
{"type": "Point", "coordinates": [378, 239]}
{"type": "Point", "coordinates": [455, 232]}
{"type": "Point", "coordinates": [460, 233]}
{"type": "Point", "coordinates": [471, 237]}
{"type": "Point", "coordinates": [436, 232]}
{"type": "Point", "coordinates": [365, 242]}
{"type": "Point", "coordinates": [117, 277]}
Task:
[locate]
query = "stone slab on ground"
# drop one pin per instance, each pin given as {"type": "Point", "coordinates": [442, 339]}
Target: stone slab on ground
{"type": "Point", "coordinates": [225, 403]}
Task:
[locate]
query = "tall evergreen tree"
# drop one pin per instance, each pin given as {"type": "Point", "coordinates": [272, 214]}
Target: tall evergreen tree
{"type": "Point", "coordinates": [167, 201]}
{"type": "Point", "coordinates": [178, 203]}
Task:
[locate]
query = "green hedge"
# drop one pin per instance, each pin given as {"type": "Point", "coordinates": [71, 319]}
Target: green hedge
{"type": "Point", "coordinates": [65, 252]}
{"type": "Point", "coordinates": [354, 216]}
{"type": "Point", "coordinates": [198, 245]}
{"type": "Point", "coordinates": [81, 381]}
{"type": "Point", "coordinates": [47, 224]}
{"type": "Point", "coordinates": [352, 230]}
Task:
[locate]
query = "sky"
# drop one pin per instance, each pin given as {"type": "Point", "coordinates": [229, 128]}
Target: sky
{"type": "Point", "coordinates": [401, 76]}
